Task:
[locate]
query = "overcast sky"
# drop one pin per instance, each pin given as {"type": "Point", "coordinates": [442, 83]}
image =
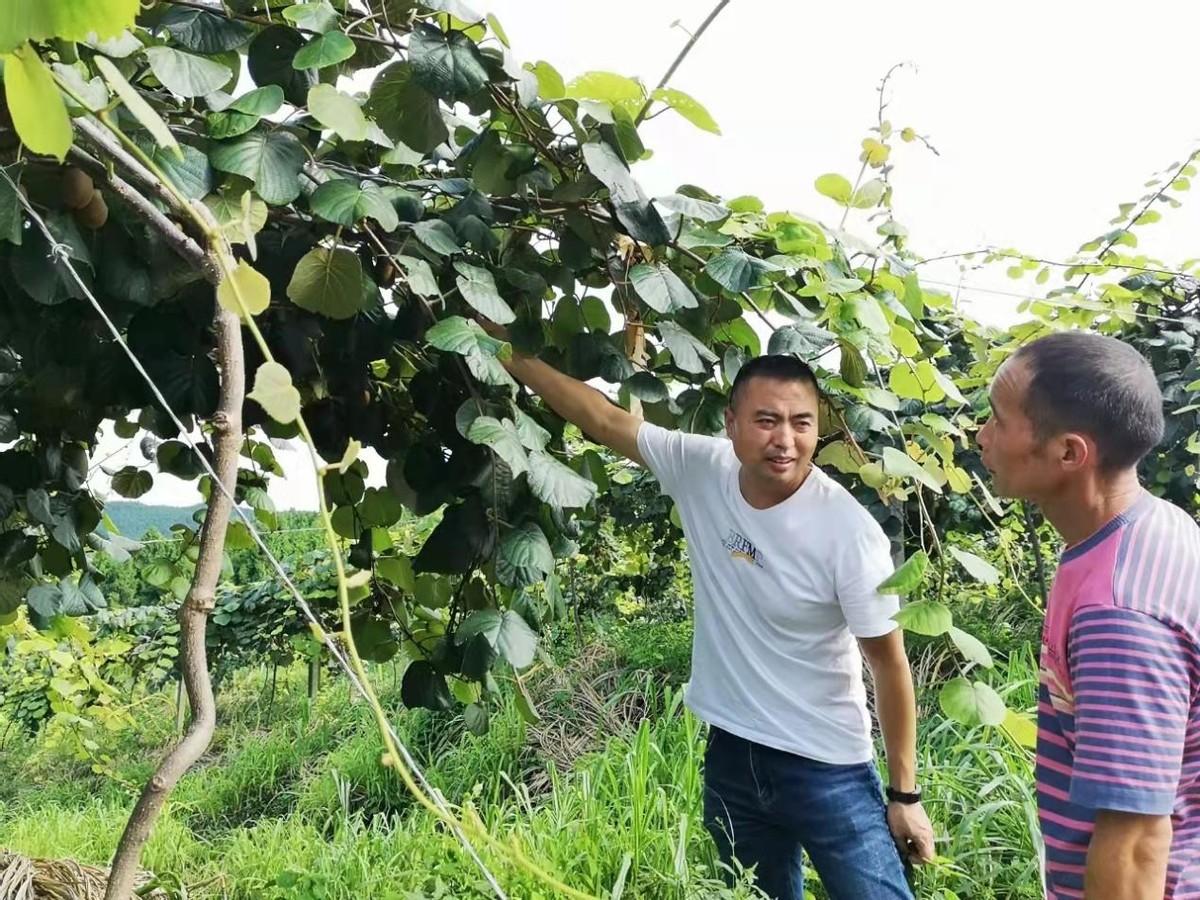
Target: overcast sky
{"type": "Point", "coordinates": [1046, 115]}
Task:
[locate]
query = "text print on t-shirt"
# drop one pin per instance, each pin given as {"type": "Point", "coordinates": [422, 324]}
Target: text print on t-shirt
{"type": "Point", "coordinates": [740, 547]}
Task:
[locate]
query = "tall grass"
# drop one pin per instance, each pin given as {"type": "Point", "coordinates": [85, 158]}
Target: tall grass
{"type": "Point", "coordinates": [299, 807]}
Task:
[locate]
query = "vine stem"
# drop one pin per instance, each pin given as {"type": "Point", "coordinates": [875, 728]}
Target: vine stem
{"type": "Point", "coordinates": [687, 48]}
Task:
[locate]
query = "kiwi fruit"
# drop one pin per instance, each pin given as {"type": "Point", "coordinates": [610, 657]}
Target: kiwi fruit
{"type": "Point", "coordinates": [95, 214]}
{"type": "Point", "coordinates": [78, 188]}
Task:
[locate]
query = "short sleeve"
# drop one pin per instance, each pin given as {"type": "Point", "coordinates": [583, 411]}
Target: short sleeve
{"type": "Point", "coordinates": [675, 456]}
{"type": "Point", "coordinates": [1130, 676]}
{"type": "Point", "coordinates": [865, 562]}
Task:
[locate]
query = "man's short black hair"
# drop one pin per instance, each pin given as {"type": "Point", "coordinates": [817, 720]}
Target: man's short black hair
{"type": "Point", "coordinates": [776, 366]}
{"type": "Point", "coordinates": [1096, 385]}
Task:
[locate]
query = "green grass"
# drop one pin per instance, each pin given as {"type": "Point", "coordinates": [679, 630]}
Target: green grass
{"type": "Point", "coordinates": [298, 806]}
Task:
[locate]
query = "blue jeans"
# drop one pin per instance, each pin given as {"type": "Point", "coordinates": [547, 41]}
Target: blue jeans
{"type": "Point", "coordinates": [764, 806]}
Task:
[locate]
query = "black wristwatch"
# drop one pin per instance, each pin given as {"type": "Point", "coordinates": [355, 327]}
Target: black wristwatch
{"type": "Point", "coordinates": [895, 796]}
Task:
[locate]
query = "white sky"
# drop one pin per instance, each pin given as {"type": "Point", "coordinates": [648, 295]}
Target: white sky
{"type": "Point", "coordinates": [1046, 116]}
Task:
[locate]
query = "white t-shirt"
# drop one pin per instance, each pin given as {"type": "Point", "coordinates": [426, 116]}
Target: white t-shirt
{"type": "Point", "coordinates": [780, 596]}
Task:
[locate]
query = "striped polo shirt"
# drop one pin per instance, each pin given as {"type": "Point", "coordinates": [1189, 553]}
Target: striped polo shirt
{"type": "Point", "coordinates": [1119, 700]}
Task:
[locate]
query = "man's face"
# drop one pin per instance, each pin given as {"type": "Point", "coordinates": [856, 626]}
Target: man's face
{"type": "Point", "coordinates": [1022, 466]}
{"type": "Point", "coordinates": [773, 426]}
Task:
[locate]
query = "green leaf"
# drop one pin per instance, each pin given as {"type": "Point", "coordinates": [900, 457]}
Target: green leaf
{"type": "Point", "coordinates": [1021, 729]}
{"type": "Point", "coordinates": [422, 687]}
{"type": "Point", "coordinates": [801, 340]}
{"type": "Point", "coordinates": [397, 570]}
{"type": "Point", "coordinates": [908, 577]}
{"type": "Point", "coordinates": [327, 50]}
{"type": "Point", "coordinates": [480, 350]}
{"type": "Point", "coordinates": [338, 112]}
{"type": "Point", "coordinates": [688, 107]}
{"type": "Point", "coordinates": [971, 648]}
{"type": "Point", "coordinates": [270, 159]}
{"type": "Point", "coordinates": [660, 288]}
{"type": "Point", "coordinates": [35, 104]}
{"type": "Point", "coordinates": [928, 617]}
{"type": "Point", "coordinates": [868, 194]}
{"type": "Point", "coordinates": [478, 288]}
{"type": "Point", "coordinates": [270, 63]}
{"type": "Point", "coordinates": [634, 209]}
{"type": "Point", "coordinates": [977, 568]}
{"type": "Point", "coordinates": [204, 32]}
{"type": "Point", "coordinates": [836, 188]}
{"type": "Point", "coordinates": [735, 270]}
{"type": "Point", "coordinates": [483, 623]}
{"type": "Point", "coordinates": [475, 718]}
{"type": "Point", "coordinates": [972, 704]}
{"type": "Point", "coordinates": [525, 705]}
{"type": "Point", "coordinates": [248, 285]}
{"type": "Point", "coordinates": [533, 436]}
{"type": "Point", "coordinates": [556, 484]}
{"type": "Point", "coordinates": [420, 277]}
{"type": "Point", "coordinates": [72, 20]}
{"type": "Point", "coordinates": [901, 465]}
{"type": "Point", "coordinates": [185, 74]}
{"type": "Point", "coordinates": [405, 111]}
{"type": "Point", "coordinates": [261, 101]}
{"type": "Point", "coordinates": [319, 16]}
{"type": "Point", "coordinates": [689, 353]}
{"type": "Point", "coordinates": [438, 236]}
{"type": "Point", "coordinates": [607, 86]}
{"type": "Point", "coordinates": [550, 82]}
{"type": "Point", "coordinates": [93, 92]}
{"type": "Point", "coordinates": [240, 217]}
{"type": "Point", "coordinates": [448, 65]}
{"type": "Point", "coordinates": [516, 642]}
{"type": "Point", "coordinates": [867, 311]}
{"type": "Point", "coordinates": [342, 201]}
{"type": "Point", "coordinates": [503, 438]}
{"type": "Point", "coordinates": [275, 393]}
{"type": "Point", "coordinates": [916, 382]}
{"type": "Point", "coordinates": [463, 539]}
{"type": "Point", "coordinates": [524, 557]}
{"type": "Point", "coordinates": [329, 282]}
{"type": "Point", "coordinates": [702, 210]}
{"type": "Point", "coordinates": [647, 388]}
{"type": "Point", "coordinates": [131, 482]}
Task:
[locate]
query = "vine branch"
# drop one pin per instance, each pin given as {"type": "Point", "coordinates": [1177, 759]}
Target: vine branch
{"type": "Point", "coordinates": [687, 48]}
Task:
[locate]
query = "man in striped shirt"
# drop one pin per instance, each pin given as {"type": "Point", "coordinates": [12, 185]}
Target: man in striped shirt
{"type": "Point", "coordinates": [1118, 754]}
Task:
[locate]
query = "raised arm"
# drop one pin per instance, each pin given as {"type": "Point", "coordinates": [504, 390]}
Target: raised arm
{"type": "Point", "coordinates": [594, 414]}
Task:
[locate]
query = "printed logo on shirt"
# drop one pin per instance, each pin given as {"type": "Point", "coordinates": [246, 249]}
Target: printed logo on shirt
{"type": "Point", "coordinates": [739, 547]}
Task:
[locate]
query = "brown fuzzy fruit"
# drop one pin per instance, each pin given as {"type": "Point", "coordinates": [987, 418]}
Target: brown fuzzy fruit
{"type": "Point", "coordinates": [95, 214]}
{"type": "Point", "coordinates": [78, 188]}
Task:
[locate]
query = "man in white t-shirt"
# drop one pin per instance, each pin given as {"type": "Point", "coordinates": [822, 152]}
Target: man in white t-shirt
{"type": "Point", "coordinates": [785, 564]}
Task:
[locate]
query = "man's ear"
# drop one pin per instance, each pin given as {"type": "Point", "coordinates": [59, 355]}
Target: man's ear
{"type": "Point", "coordinates": [1077, 451]}
{"type": "Point", "coordinates": [729, 419]}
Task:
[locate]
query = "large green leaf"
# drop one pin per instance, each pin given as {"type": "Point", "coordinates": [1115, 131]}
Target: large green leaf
{"type": "Point", "coordinates": [972, 649]}
{"type": "Point", "coordinates": [35, 104]}
{"type": "Point", "coordinates": [524, 557]}
{"type": "Point", "coordinates": [185, 74]}
{"type": "Point", "coordinates": [318, 16]}
{"type": "Point", "coordinates": [327, 50]}
{"type": "Point", "coordinates": [137, 105]}
{"type": "Point", "coordinates": [338, 112]}
{"type": "Point", "coordinates": [422, 687]}
{"type": "Point", "coordinates": [420, 278]}
{"type": "Point", "coordinates": [607, 86]}
{"type": "Point", "coordinates": [979, 569]}
{"type": "Point", "coordinates": [556, 484]}
{"type": "Point", "coordinates": [270, 62]}
{"type": "Point", "coordinates": [275, 393]}
{"type": "Point", "coordinates": [503, 438]}
{"type": "Point", "coordinates": [437, 236]}
{"type": "Point", "coordinates": [271, 159]}
{"type": "Point", "coordinates": [478, 288]}
{"type": "Point", "coordinates": [329, 282]}
{"type": "Point", "coordinates": [689, 353]}
{"type": "Point", "coordinates": [189, 170]}
{"type": "Point", "coordinates": [901, 465]}
{"type": "Point", "coordinates": [483, 353]}
{"type": "Point", "coordinates": [517, 642]}
{"type": "Point", "coordinates": [972, 704]}
{"type": "Point", "coordinates": [737, 271]}
{"type": "Point", "coordinates": [405, 111]}
{"type": "Point", "coordinates": [447, 65]}
{"type": "Point", "coordinates": [908, 577]}
{"type": "Point", "coordinates": [688, 107]}
{"type": "Point", "coordinates": [131, 482]}
{"type": "Point", "coordinates": [928, 617]}
{"type": "Point", "coordinates": [72, 20]}
{"type": "Point", "coordinates": [463, 540]}
{"type": "Point", "coordinates": [661, 289]}
{"type": "Point", "coordinates": [346, 203]}
{"type": "Point", "coordinates": [204, 32]}
{"type": "Point", "coordinates": [634, 209]}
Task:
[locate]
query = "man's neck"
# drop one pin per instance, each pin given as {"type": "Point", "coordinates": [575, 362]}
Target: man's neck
{"type": "Point", "coordinates": [1080, 512]}
{"type": "Point", "coordinates": [764, 496]}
